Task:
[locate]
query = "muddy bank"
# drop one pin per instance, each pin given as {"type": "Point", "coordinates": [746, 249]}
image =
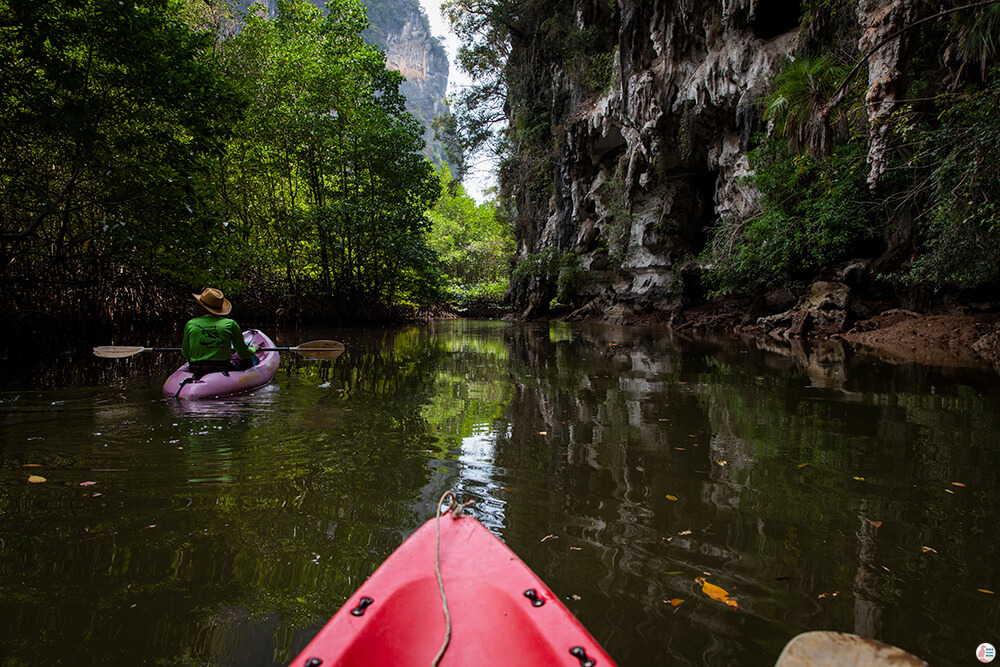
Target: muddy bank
{"type": "Point", "coordinates": [950, 334]}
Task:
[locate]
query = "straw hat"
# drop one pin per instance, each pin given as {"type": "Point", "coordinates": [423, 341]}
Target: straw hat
{"type": "Point", "coordinates": [212, 300]}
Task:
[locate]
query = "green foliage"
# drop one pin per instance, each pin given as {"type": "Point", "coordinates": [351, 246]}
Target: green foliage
{"type": "Point", "coordinates": [137, 151]}
{"type": "Point", "coordinates": [800, 91]}
{"type": "Point", "coordinates": [814, 211]}
{"type": "Point", "coordinates": [327, 168]}
{"type": "Point", "coordinates": [111, 116]}
{"type": "Point", "coordinates": [957, 161]}
{"type": "Point", "coordinates": [484, 28]}
{"type": "Point", "coordinates": [619, 224]}
{"type": "Point", "coordinates": [561, 266]}
{"type": "Point", "coordinates": [474, 243]}
{"type": "Point", "coordinates": [978, 35]}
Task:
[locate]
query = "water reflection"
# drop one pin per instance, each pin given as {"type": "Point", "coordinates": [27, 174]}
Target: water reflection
{"type": "Point", "coordinates": [821, 489]}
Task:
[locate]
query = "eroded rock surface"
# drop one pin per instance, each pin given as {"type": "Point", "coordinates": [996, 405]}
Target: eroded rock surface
{"type": "Point", "coordinates": [645, 170]}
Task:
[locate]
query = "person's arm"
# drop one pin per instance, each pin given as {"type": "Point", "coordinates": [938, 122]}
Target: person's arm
{"type": "Point", "coordinates": [239, 346]}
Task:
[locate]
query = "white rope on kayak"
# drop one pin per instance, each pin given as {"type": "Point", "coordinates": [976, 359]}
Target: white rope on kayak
{"type": "Point", "coordinates": [456, 510]}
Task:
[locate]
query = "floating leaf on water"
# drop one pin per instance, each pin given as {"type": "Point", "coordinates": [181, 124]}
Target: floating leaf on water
{"type": "Point", "coordinates": [670, 497]}
{"type": "Point", "coordinates": [87, 483]}
{"type": "Point", "coordinates": [716, 593]}
{"type": "Point", "coordinates": [877, 524]}
{"type": "Point", "coordinates": [675, 572]}
{"type": "Point", "coordinates": [721, 462]}
{"type": "Point", "coordinates": [676, 602]}
{"type": "Point", "coordinates": [549, 537]}
{"type": "Point", "coordinates": [32, 465]}
{"type": "Point", "coordinates": [958, 484]}
{"type": "Point", "coordinates": [860, 479]}
{"type": "Point", "coordinates": [680, 449]}
{"type": "Point", "coordinates": [577, 548]}
{"type": "Point", "coordinates": [575, 597]}
{"type": "Point", "coordinates": [928, 549]}
{"type": "Point", "coordinates": [543, 433]}
{"type": "Point", "coordinates": [986, 590]}
{"type": "Point", "coordinates": [684, 532]}
{"type": "Point", "coordinates": [949, 491]}
{"type": "Point", "coordinates": [35, 479]}
{"type": "Point", "coordinates": [803, 465]}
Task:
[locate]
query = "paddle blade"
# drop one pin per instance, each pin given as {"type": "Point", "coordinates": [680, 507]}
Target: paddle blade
{"type": "Point", "coordinates": [118, 351]}
{"type": "Point", "coordinates": [320, 349]}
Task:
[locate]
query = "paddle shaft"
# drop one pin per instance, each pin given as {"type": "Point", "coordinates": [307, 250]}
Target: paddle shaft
{"type": "Point", "coordinates": [320, 349]}
{"type": "Point", "coordinates": [259, 349]}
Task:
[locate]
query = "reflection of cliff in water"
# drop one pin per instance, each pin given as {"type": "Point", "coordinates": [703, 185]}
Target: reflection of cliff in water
{"type": "Point", "coordinates": [667, 457]}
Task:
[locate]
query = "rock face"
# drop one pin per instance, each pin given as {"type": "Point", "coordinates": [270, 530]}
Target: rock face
{"type": "Point", "coordinates": [643, 171]}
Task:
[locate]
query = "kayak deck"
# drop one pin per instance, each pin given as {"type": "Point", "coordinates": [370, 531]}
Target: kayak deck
{"type": "Point", "coordinates": [501, 612]}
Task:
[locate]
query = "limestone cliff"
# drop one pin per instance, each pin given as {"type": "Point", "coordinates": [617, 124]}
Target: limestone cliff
{"type": "Point", "coordinates": [643, 169]}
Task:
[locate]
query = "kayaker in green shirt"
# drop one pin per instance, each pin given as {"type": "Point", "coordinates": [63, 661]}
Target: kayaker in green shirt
{"type": "Point", "coordinates": [210, 339]}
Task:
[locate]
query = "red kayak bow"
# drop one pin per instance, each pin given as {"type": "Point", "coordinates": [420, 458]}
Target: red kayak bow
{"type": "Point", "coordinates": [500, 612]}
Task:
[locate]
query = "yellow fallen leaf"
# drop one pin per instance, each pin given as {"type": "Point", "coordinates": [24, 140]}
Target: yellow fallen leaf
{"type": "Point", "coordinates": [32, 465]}
{"type": "Point", "coordinates": [803, 465]}
{"type": "Point", "coordinates": [716, 593]}
{"type": "Point", "coordinates": [986, 590]}
{"type": "Point", "coordinates": [721, 462]}
{"type": "Point", "coordinates": [35, 479]}
{"type": "Point", "coordinates": [676, 602]}
{"type": "Point", "coordinates": [949, 491]}
{"type": "Point", "coordinates": [860, 479]}
{"type": "Point", "coordinates": [670, 497]}
{"type": "Point", "coordinates": [877, 524]}
{"type": "Point", "coordinates": [928, 549]}
{"type": "Point", "coordinates": [684, 532]}
{"type": "Point", "coordinates": [958, 484]}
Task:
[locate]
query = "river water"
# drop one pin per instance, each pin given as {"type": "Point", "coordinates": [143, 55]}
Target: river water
{"type": "Point", "coordinates": [822, 490]}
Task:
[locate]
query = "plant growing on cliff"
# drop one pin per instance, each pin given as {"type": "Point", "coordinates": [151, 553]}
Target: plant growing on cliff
{"type": "Point", "coordinates": [957, 159]}
{"type": "Point", "coordinates": [801, 91]}
{"type": "Point", "coordinates": [618, 224]}
{"type": "Point", "coordinates": [814, 211]}
{"type": "Point", "coordinates": [560, 266]}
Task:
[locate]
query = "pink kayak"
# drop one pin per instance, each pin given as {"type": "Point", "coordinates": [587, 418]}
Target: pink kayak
{"type": "Point", "coordinates": [501, 612]}
{"type": "Point", "coordinates": [182, 383]}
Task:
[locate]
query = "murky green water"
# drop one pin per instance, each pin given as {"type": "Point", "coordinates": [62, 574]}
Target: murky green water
{"type": "Point", "coordinates": [821, 491]}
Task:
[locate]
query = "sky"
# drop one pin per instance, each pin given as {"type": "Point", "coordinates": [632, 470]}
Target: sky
{"type": "Point", "coordinates": [480, 176]}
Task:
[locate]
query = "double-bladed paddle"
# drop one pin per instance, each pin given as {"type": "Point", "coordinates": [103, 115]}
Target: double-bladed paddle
{"type": "Point", "coordinates": [314, 349]}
